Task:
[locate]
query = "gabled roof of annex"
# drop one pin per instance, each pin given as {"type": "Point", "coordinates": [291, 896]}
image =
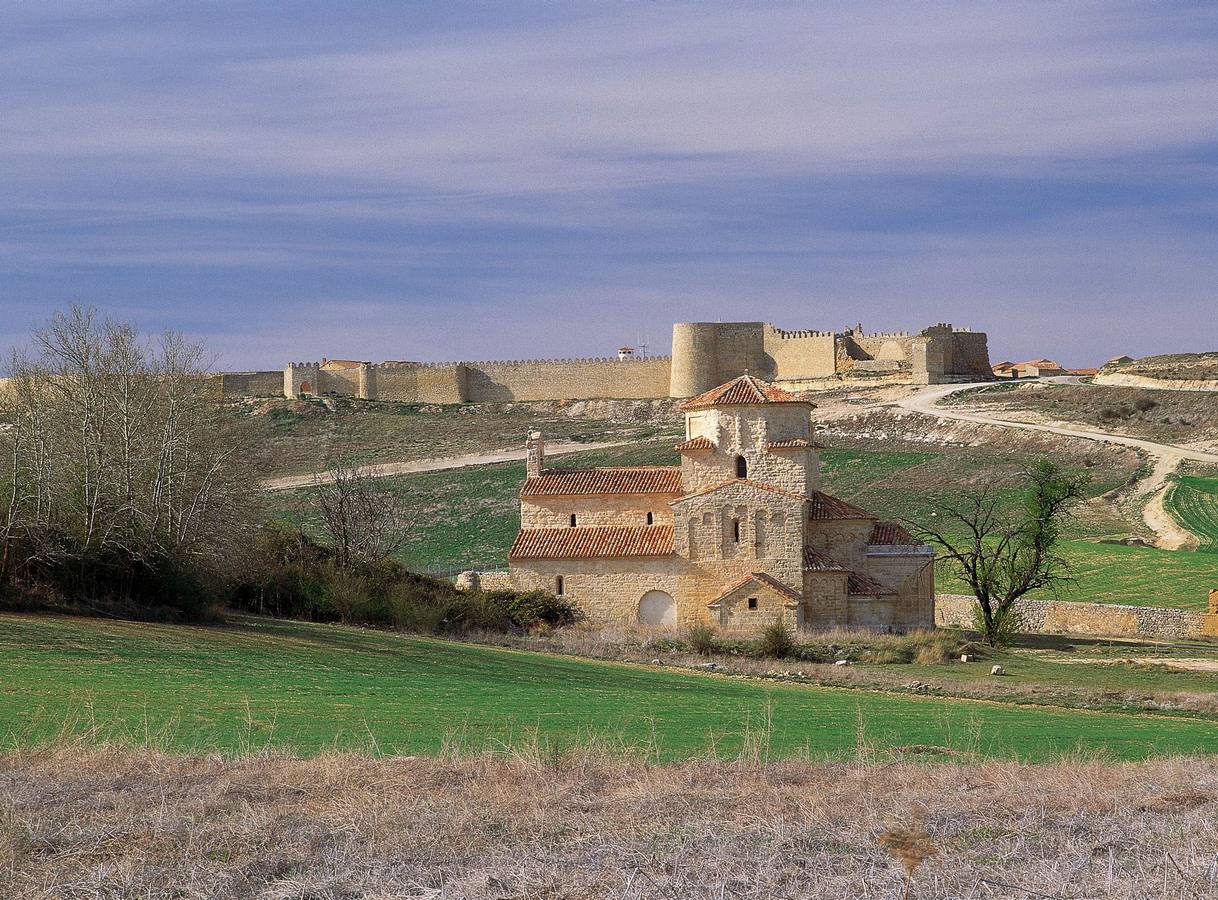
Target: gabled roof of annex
{"type": "Point", "coordinates": [760, 578]}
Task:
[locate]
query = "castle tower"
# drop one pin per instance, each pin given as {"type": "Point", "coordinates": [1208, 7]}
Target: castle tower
{"type": "Point", "coordinates": [301, 378]}
{"type": "Point", "coordinates": [695, 358]}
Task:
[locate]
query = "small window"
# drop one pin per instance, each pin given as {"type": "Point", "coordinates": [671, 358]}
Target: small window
{"type": "Point", "coordinates": [572, 520]}
{"type": "Point", "coordinates": [651, 519]}
{"type": "Point", "coordinates": [742, 467]}
{"type": "Point", "coordinates": [559, 586]}
{"type": "Point", "coordinates": [736, 530]}
{"type": "Point", "coordinates": [752, 601]}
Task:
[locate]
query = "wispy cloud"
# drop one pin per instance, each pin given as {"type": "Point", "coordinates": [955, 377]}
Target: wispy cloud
{"type": "Point", "coordinates": [1008, 164]}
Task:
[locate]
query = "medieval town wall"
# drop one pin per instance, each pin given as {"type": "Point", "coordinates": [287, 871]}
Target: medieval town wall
{"type": "Point", "coordinates": [704, 355]}
{"type": "Point", "coordinates": [252, 384]}
{"type": "Point", "coordinates": [418, 382]}
{"type": "Point", "coordinates": [568, 379]}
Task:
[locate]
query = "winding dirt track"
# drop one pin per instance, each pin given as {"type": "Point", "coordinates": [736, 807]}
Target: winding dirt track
{"type": "Point", "coordinates": [436, 464]}
{"type": "Point", "coordinates": [1153, 489]}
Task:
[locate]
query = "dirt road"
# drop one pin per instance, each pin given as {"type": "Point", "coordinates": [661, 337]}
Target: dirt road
{"type": "Point", "coordinates": [1153, 488]}
{"type": "Point", "coordinates": [436, 464]}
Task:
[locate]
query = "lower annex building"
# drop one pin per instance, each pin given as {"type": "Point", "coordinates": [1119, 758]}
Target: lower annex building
{"type": "Point", "coordinates": [737, 536]}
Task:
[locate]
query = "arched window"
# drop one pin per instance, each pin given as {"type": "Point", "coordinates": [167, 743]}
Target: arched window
{"type": "Point", "coordinates": [558, 586]}
{"type": "Point", "coordinates": [572, 520]}
{"type": "Point", "coordinates": [742, 467]}
{"type": "Point", "coordinates": [651, 519]}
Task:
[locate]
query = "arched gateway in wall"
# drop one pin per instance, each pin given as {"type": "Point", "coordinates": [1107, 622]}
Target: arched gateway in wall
{"type": "Point", "coordinates": [657, 608]}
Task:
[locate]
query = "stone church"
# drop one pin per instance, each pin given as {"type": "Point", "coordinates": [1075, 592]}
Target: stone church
{"type": "Point", "coordinates": [737, 536]}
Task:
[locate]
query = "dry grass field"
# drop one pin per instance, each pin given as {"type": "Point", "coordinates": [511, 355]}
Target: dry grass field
{"type": "Point", "coordinates": [105, 824]}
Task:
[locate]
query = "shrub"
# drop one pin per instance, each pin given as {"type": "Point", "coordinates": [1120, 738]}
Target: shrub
{"type": "Point", "coordinates": [288, 574]}
{"type": "Point", "coordinates": [932, 655]}
{"type": "Point", "coordinates": [1006, 625]}
{"type": "Point", "coordinates": [777, 641]}
{"type": "Point", "coordinates": [529, 609]}
{"type": "Point", "coordinates": [1145, 404]}
{"type": "Point", "coordinates": [702, 640]}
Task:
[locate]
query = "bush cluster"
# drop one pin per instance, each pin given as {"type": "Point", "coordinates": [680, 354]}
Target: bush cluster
{"type": "Point", "coordinates": [777, 641]}
{"type": "Point", "coordinates": [290, 575]}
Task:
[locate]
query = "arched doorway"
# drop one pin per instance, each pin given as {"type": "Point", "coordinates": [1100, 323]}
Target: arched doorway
{"type": "Point", "coordinates": [306, 387]}
{"type": "Point", "coordinates": [658, 609]}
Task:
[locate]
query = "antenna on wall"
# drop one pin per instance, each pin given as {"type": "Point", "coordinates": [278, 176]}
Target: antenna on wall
{"type": "Point", "coordinates": [643, 347]}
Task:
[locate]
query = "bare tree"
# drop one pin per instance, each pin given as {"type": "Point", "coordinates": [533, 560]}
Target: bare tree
{"type": "Point", "coordinates": [118, 446]}
{"type": "Point", "coordinates": [1004, 555]}
{"type": "Point", "coordinates": [365, 520]}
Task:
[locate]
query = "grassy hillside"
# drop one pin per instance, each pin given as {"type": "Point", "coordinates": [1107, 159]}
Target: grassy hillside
{"type": "Point", "coordinates": [265, 683]}
{"type": "Point", "coordinates": [300, 437]}
{"type": "Point", "coordinates": [1194, 502]}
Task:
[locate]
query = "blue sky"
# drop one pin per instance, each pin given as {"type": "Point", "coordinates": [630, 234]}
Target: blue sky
{"type": "Point", "coordinates": [475, 180]}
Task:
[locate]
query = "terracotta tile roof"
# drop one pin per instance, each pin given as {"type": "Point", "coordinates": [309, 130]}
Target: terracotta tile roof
{"type": "Point", "coordinates": [860, 585]}
{"type": "Point", "coordinates": [746, 389]}
{"type": "Point", "coordinates": [826, 506]}
{"type": "Point", "coordinates": [891, 533]}
{"type": "Point", "coordinates": [598, 542]}
{"type": "Point", "coordinates": [340, 363]}
{"type": "Point", "coordinates": [763, 578]}
{"type": "Point", "coordinates": [620, 480]}
{"type": "Point", "coordinates": [815, 561]}
{"type": "Point", "coordinates": [794, 444]}
{"type": "Point", "coordinates": [698, 443]}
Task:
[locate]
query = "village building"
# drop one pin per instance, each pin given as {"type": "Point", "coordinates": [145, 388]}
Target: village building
{"type": "Point", "coordinates": [739, 535]}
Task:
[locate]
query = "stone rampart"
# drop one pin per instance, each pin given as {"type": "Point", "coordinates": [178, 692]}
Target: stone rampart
{"type": "Point", "coordinates": [568, 379]}
{"type": "Point", "coordinates": [251, 384]}
{"type": "Point", "coordinates": [1101, 619]}
{"type": "Point", "coordinates": [418, 382]}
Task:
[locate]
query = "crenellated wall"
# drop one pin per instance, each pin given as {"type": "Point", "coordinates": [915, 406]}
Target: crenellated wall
{"type": "Point", "coordinates": [704, 355]}
{"type": "Point", "coordinates": [484, 382]}
{"type": "Point", "coordinates": [568, 379]}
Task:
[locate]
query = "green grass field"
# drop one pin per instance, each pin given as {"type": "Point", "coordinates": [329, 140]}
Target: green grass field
{"type": "Point", "coordinates": [1194, 503]}
{"type": "Point", "coordinates": [265, 683]}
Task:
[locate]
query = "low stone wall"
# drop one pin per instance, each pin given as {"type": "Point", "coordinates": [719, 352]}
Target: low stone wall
{"type": "Point", "coordinates": [1064, 617]}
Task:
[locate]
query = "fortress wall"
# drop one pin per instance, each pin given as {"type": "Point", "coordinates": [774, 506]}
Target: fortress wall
{"type": "Point", "coordinates": [796, 355]}
{"type": "Point", "coordinates": [344, 382]}
{"type": "Point", "coordinates": [742, 347]}
{"type": "Point", "coordinates": [251, 384]}
{"type": "Point", "coordinates": [442, 383]}
{"type": "Point", "coordinates": [970, 355]}
{"type": "Point", "coordinates": [568, 379]}
{"type": "Point", "coordinates": [893, 346]}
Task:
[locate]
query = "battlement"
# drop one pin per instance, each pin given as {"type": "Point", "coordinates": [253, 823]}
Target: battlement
{"type": "Point", "coordinates": [704, 354]}
{"type": "Point", "coordinates": [788, 335]}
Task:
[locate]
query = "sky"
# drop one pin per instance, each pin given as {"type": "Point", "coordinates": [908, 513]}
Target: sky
{"type": "Point", "coordinates": [443, 181]}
